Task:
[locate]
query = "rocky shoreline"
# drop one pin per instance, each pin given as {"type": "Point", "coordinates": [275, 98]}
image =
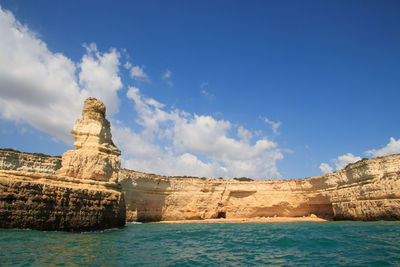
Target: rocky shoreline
{"type": "Point", "coordinates": [87, 190]}
{"type": "Point", "coordinates": [49, 202]}
{"type": "Point", "coordinates": [366, 190]}
{"type": "Point", "coordinates": [253, 220]}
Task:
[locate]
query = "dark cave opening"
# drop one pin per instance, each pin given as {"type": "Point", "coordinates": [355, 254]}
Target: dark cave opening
{"type": "Point", "coordinates": [221, 214]}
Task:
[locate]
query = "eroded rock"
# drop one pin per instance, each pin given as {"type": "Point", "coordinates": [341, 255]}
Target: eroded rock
{"type": "Point", "coordinates": [50, 202]}
{"type": "Point", "coordinates": [96, 157]}
{"type": "Point", "coordinates": [366, 190]}
{"type": "Point", "coordinates": [81, 196]}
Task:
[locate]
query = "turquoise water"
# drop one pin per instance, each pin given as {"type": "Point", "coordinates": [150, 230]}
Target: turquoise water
{"type": "Point", "coordinates": [334, 243]}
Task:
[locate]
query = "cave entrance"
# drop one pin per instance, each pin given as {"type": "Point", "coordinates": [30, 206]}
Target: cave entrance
{"type": "Point", "coordinates": [221, 214]}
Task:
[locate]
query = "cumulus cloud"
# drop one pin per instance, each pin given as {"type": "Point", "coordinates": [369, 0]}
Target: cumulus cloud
{"type": "Point", "coordinates": [127, 65]}
{"type": "Point", "coordinates": [41, 88]}
{"type": "Point", "coordinates": [244, 134]}
{"type": "Point", "coordinates": [393, 147]}
{"type": "Point", "coordinates": [274, 125]}
{"type": "Point", "coordinates": [46, 90]}
{"type": "Point", "coordinates": [344, 160]}
{"type": "Point", "coordinates": [99, 76]}
{"type": "Point", "coordinates": [325, 168]}
{"type": "Point", "coordinates": [137, 73]}
{"type": "Point", "coordinates": [339, 162]}
{"type": "Point", "coordinates": [195, 144]}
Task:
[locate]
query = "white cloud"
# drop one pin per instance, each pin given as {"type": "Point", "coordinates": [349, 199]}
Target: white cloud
{"type": "Point", "coordinates": [204, 92]}
{"type": "Point", "coordinates": [41, 88]}
{"type": "Point", "coordinates": [393, 147]}
{"type": "Point", "coordinates": [167, 74]}
{"type": "Point", "coordinates": [166, 77]}
{"type": "Point", "coordinates": [244, 134]}
{"type": "Point", "coordinates": [139, 153]}
{"type": "Point", "coordinates": [137, 73]}
{"type": "Point", "coordinates": [344, 160]}
{"type": "Point", "coordinates": [274, 125]}
{"type": "Point", "coordinates": [196, 144]}
{"type": "Point", "coordinates": [340, 162]}
{"type": "Point", "coordinates": [127, 65]}
{"type": "Point", "coordinates": [47, 90]}
{"type": "Point", "coordinates": [325, 168]}
{"type": "Point", "coordinates": [99, 76]}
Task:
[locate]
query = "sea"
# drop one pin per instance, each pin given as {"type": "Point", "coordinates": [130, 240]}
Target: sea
{"type": "Point", "coordinates": [244, 244]}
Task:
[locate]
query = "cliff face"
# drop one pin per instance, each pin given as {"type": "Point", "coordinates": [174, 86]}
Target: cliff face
{"type": "Point", "coordinates": [151, 198]}
{"type": "Point", "coordinates": [96, 156]}
{"type": "Point", "coordinates": [49, 202]}
{"type": "Point", "coordinates": [28, 162]}
{"type": "Point", "coordinates": [366, 190]}
{"type": "Point", "coordinates": [82, 195]}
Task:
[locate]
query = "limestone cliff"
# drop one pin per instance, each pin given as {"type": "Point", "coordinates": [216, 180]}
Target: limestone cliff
{"type": "Point", "coordinates": [366, 190]}
{"type": "Point", "coordinates": [96, 156]}
{"type": "Point", "coordinates": [49, 202]}
{"type": "Point", "coordinates": [11, 159]}
{"type": "Point", "coordinates": [82, 195]}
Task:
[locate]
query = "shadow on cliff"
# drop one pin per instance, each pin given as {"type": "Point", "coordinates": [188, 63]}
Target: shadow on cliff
{"type": "Point", "coordinates": [145, 198]}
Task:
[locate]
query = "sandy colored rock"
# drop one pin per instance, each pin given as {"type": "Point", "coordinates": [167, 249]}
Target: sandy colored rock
{"type": "Point", "coordinates": [11, 159]}
{"type": "Point", "coordinates": [80, 196]}
{"type": "Point", "coordinates": [84, 194]}
{"type": "Point", "coordinates": [153, 198]}
{"type": "Point", "coordinates": [49, 202]}
{"type": "Point", "coordinates": [96, 157]}
{"type": "Point", "coordinates": [365, 190]}
{"type": "Point", "coordinates": [252, 220]}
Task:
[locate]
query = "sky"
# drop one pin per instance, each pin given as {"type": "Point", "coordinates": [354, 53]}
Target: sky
{"type": "Point", "coordinates": [261, 89]}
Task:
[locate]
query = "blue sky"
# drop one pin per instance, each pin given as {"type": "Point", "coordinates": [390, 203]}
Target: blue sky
{"type": "Point", "coordinates": [264, 89]}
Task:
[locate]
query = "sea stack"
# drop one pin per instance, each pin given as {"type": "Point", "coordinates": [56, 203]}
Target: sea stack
{"type": "Point", "coordinates": [96, 157]}
{"type": "Point", "coordinates": [81, 196]}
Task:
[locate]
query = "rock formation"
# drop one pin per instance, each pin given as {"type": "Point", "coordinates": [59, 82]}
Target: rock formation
{"type": "Point", "coordinates": [84, 195]}
{"type": "Point", "coordinates": [365, 190]}
{"type": "Point", "coordinates": [11, 159]}
{"type": "Point", "coordinates": [81, 196]}
{"type": "Point", "coordinates": [50, 202]}
{"type": "Point", "coordinates": [96, 156]}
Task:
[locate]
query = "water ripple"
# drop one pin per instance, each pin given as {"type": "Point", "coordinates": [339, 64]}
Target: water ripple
{"type": "Point", "coordinates": [328, 244]}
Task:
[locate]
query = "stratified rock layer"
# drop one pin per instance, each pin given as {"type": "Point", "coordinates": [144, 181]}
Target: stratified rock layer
{"type": "Point", "coordinates": [11, 159]}
{"type": "Point", "coordinates": [49, 202]}
{"type": "Point", "coordinates": [96, 156]}
{"type": "Point", "coordinates": [81, 196]}
{"type": "Point", "coordinates": [366, 190]}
